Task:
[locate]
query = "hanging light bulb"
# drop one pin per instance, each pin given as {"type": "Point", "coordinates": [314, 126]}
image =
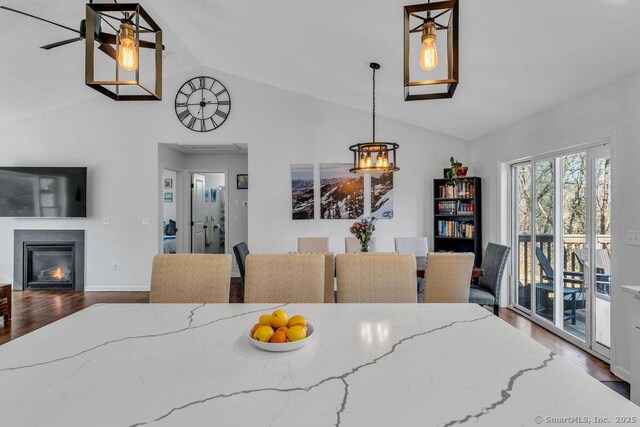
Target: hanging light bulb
{"type": "Point", "coordinates": [379, 158]}
{"type": "Point", "coordinates": [127, 51]}
{"type": "Point", "coordinates": [429, 53]}
{"type": "Point", "coordinates": [368, 161]}
{"type": "Point", "coordinates": [363, 160]}
{"type": "Point", "coordinates": [385, 160]}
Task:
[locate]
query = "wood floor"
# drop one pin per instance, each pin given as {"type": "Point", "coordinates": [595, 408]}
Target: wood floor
{"type": "Point", "coordinates": [33, 310]}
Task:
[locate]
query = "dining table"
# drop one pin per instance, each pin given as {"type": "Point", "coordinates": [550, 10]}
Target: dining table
{"type": "Point", "coordinates": [364, 364]}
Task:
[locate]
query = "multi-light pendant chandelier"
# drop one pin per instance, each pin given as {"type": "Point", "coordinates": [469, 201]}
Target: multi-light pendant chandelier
{"type": "Point", "coordinates": [374, 157]}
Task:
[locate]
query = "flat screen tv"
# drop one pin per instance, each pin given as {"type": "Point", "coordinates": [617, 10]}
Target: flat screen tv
{"type": "Point", "coordinates": [46, 192]}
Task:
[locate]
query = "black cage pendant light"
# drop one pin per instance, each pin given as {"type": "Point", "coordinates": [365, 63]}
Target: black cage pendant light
{"type": "Point", "coordinates": [374, 157]}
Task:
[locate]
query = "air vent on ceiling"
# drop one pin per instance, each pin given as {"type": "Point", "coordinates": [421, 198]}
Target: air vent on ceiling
{"type": "Point", "coordinates": [210, 148]}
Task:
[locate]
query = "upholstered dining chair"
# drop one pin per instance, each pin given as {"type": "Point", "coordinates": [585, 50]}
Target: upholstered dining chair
{"type": "Point", "coordinates": [353, 245]}
{"type": "Point", "coordinates": [419, 246]}
{"type": "Point", "coordinates": [376, 278]}
{"type": "Point", "coordinates": [313, 244]}
{"type": "Point", "coordinates": [241, 250]}
{"type": "Point", "coordinates": [447, 277]}
{"type": "Point", "coordinates": [329, 277]}
{"type": "Point", "coordinates": [285, 278]}
{"type": "Point", "coordinates": [487, 292]}
{"type": "Point", "coordinates": [190, 278]}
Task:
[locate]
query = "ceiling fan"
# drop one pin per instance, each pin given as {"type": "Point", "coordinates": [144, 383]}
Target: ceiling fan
{"type": "Point", "coordinates": [106, 40]}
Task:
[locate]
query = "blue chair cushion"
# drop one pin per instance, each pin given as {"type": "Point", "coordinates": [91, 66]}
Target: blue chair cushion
{"type": "Point", "coordinates": [479, 295]}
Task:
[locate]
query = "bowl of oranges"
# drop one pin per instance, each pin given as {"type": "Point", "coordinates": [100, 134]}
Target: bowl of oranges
{"type": "Point", "coordinates": [279, 332]}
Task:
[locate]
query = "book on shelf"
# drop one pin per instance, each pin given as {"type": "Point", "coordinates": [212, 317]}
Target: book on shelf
{"type": "Point", "coordinates": [455, 208]}
{"type": "Point", "coordinates": [457, 229]}
{"type": "Point", "coordinates": [461, 189]}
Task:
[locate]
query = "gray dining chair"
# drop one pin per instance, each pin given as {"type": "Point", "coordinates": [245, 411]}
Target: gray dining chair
{"type": "Point", "coordinates": [487, 291]}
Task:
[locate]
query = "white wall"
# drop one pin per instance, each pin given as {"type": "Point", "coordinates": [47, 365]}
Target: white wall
{"type": "Point", "coordinates": [118, 142]}
{"type": "Point", "coordinates": [612, 110]}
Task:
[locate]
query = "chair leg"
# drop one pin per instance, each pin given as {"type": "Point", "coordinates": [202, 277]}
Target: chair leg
{"type": "Point", "coordinates": [496, 310]}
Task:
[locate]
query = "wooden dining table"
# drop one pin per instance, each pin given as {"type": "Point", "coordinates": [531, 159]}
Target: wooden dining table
{"type": "Point", "coordinates": [421, 262]}
{"type": "Point", "coordinates": [365, 365]}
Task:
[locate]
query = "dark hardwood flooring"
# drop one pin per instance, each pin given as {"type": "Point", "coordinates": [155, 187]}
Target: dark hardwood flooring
{"type": "Point", "coordinates": [33, 310]}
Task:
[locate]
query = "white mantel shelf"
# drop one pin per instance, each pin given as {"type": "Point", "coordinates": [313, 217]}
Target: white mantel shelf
{"type": "Point", "coordinates": [381, 365]}
{"type": "Point", "coordinates": [634, 290]}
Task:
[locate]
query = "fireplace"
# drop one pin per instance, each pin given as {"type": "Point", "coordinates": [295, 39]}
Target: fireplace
{"type": "Point", "coordinates": [49, 260]}
{"type": "Point", "coordinates": [49, 265]}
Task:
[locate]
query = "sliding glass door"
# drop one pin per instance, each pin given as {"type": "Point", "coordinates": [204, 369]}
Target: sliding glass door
{"type": "Point", "coordinates": [561, 237]}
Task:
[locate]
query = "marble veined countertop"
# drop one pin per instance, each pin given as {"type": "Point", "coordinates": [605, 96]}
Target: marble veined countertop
{"type": "Point", "coordinates": [367, 365]}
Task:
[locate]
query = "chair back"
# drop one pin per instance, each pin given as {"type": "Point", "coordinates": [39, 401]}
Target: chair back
{"type": "Point", "coordinates": [544, 263]}
{"type": "Point", "coordinates": [376, 278]}
{"type": "Point", "coordinates": [190, 278]}
{"type": "Point", "coordinates": [494, 262]}
{"type": "Point", "coordinates": [285, 278]}
{"type": "Point", "coordinates": [313, 244]}
{"type": "Point", "coordinates": [241, 250]}
{"type": "Point", "coordinates": [419, 246]}
{"type": "Point", "coordinates": [352, 245]}
{"type": "Point", "coordinates": [448, 277]}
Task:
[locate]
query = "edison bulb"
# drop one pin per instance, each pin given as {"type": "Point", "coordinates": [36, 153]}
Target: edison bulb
{"type": "Point", "coordinates": [127, 51]}
{"type": "Point", "coordinates": [429, 53]}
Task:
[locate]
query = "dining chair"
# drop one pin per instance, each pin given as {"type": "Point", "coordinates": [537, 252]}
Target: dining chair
{"type": "Point", "coordinates": [190, 278]}
{"type": "Point", "coordinates": [419, 246]}
{"type": "Point", "coordinates": [329, 277]}
{"type": "Point", "coordinates": [353, 245]}
{"type": "Point", "coordinates": [285, 278]}
{"type": "Point", "coordinates": [447, 277]}
{"type": "Point", "coordinates": [487, 292]}
{"type": "Point", "coordinates": [376, 278]}
{"type": "Point", "coordinates": [241, 250]}
{"type": "Point", "coordinates": [313, 244]}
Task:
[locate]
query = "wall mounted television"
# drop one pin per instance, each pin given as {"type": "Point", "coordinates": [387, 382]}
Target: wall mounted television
{"type": "Point", "coordinates": [43, 192]}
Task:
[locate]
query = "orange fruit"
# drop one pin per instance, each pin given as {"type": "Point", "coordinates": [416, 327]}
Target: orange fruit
{"type": "Point", "coordinates": [282, 329]}
{"type": "Point", "coordinates": [255, 327]}
{"type": "Point", "coordinates": [263, 333]}
{"type": "Point", "coordinates": [278, 337]}
{"type": "Point", "coordinates": [297, 320]}
{"type": "Point", "coordinates": [279, 318]}
{"type": "Point", "coordinates": [265, 319]}
{"type": "Point", "coordinates": [296, 333]}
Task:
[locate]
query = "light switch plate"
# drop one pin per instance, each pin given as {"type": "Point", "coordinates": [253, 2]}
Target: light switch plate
{"type": "Point", "coordinates": [145, 220]}
{"type": "Point", "coordinates": [633, 238]}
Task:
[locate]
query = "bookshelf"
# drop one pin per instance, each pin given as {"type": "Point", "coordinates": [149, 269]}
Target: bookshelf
{"type": "Point", "coordinates": [457, 216]}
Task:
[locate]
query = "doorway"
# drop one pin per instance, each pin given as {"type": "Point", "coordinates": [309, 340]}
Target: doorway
{"type": "Point", "coordinates": [208, 212]}
{"type": "Point", "coordinates": [561, 232]}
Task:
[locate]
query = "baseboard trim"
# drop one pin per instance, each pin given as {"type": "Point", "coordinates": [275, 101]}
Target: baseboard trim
{"type": "Point", "coordinates": [622, 373]}
{"type": "Point", "coordinates": [116, 289]}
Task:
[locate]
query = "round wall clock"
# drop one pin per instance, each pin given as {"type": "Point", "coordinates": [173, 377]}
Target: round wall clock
{"type": "Point", "coordinates": [203, 104]}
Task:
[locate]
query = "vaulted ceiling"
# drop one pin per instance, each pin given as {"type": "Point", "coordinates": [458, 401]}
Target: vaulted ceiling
{"type": "Point", "coordinates": [516, 57]}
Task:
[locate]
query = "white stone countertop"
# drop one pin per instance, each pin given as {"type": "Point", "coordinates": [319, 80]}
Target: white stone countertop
{"type": "Point", "coordinates": [367, 365]}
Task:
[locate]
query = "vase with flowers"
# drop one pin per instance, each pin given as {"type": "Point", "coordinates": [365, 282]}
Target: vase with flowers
{"type": "Point", "coordinates": [363, 230]}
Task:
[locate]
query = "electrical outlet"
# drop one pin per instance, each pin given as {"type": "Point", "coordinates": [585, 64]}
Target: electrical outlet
{"type": "Point", "coordinates": [633, 238]}
{"type": "Point", "coordinates": [237, 218]}
{"type": "Point", "coordinates": [145, 220]}
{"type": "Point", "coordinates": [107, 221]}
{"type": "Point", "coordinates": [237, 203]}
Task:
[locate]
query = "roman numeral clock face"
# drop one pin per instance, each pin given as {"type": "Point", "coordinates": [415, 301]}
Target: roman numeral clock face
{"type": "Point", "coordinates": [203, 104]}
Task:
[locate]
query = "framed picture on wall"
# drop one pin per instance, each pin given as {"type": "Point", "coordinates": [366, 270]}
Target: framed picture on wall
{"type": "Point", "coordinates": [168, 183]}
{"type": "Point", "coordinates": [207, 191]}
{"type": "Point", "coordinates": [168, 197]}
{"type": "Point", "coordinates": [242, 181]}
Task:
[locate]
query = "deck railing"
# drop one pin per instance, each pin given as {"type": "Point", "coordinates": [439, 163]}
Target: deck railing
{"type": "Point", "coordinates": [573, 245]}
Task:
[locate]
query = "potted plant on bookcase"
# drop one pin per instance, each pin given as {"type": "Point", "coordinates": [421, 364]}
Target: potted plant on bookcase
{"type": "Point", "coordinates": [456, 170]}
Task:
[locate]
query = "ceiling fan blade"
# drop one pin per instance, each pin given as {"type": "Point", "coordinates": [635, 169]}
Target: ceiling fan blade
{"type": "Point", "coordinates": [60, 43]}
{"type": "Point", "coordinates": [111, 39]}
{"type": "Point", "coordinates": [41, 19]}
{"type": "Point", "coordinates": [106, 48]}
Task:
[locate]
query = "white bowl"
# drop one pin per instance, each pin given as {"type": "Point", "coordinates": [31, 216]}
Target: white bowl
{"type": "Point", "coordinates": [285, 346]}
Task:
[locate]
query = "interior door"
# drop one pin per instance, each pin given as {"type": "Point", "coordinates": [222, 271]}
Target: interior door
{"type": "Point", "coordinates": [197, 214]}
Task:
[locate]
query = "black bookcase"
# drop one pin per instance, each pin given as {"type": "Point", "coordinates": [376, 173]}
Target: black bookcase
{"type": "Point", "coordinates": [457, 216]}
